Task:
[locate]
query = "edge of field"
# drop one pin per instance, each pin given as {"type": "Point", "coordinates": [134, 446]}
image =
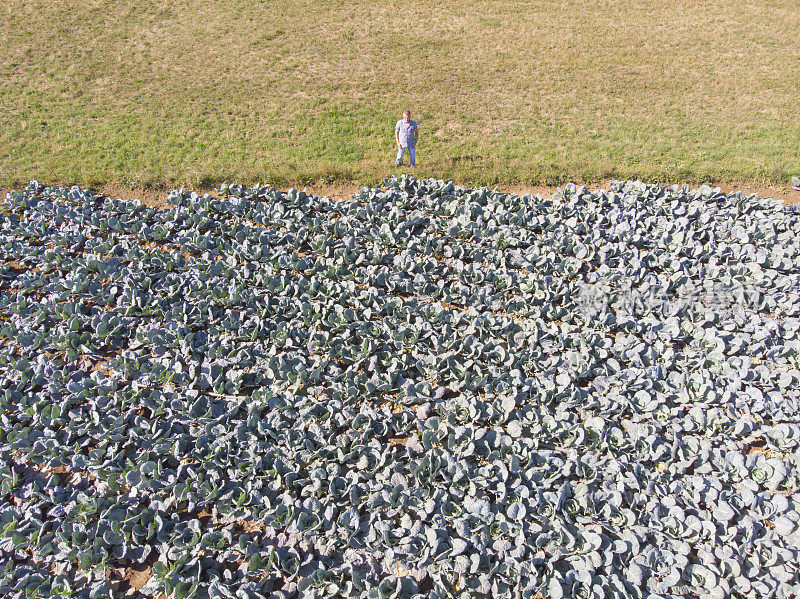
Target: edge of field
{"type": "Point", "coordinates": [344, 191]}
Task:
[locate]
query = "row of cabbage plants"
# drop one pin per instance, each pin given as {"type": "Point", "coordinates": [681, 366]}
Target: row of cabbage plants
{"type": "Point", "coordinates": [427, 390]}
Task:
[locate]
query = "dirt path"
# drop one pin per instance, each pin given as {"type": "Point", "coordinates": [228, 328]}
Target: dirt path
{"type": "Point", "coordinates": [158, 198]}
{"type": "Point", "coordinates": [344, 191]}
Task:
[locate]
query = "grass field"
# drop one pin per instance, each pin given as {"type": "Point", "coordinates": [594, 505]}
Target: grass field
{"type": "Point", "coordinates": [158, 93]}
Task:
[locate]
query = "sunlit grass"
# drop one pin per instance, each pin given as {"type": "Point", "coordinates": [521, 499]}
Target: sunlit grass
{"type": "Point", "coordinates": [162, 94]}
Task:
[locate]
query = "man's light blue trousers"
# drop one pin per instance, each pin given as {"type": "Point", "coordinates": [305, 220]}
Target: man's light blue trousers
{"type": "Point", "coordinates": [402, 151]}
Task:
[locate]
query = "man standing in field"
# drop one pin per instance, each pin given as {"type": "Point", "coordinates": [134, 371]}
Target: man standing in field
{"type": "Point", "coordinates": [406, 135]}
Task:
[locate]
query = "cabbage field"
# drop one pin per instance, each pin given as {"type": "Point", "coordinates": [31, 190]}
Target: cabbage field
{"type": "Point", "coordinates": [425, 391]}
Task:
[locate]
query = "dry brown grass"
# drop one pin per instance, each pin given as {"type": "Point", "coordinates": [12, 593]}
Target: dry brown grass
{"type": "Point", "coordinates": [159, 93]}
